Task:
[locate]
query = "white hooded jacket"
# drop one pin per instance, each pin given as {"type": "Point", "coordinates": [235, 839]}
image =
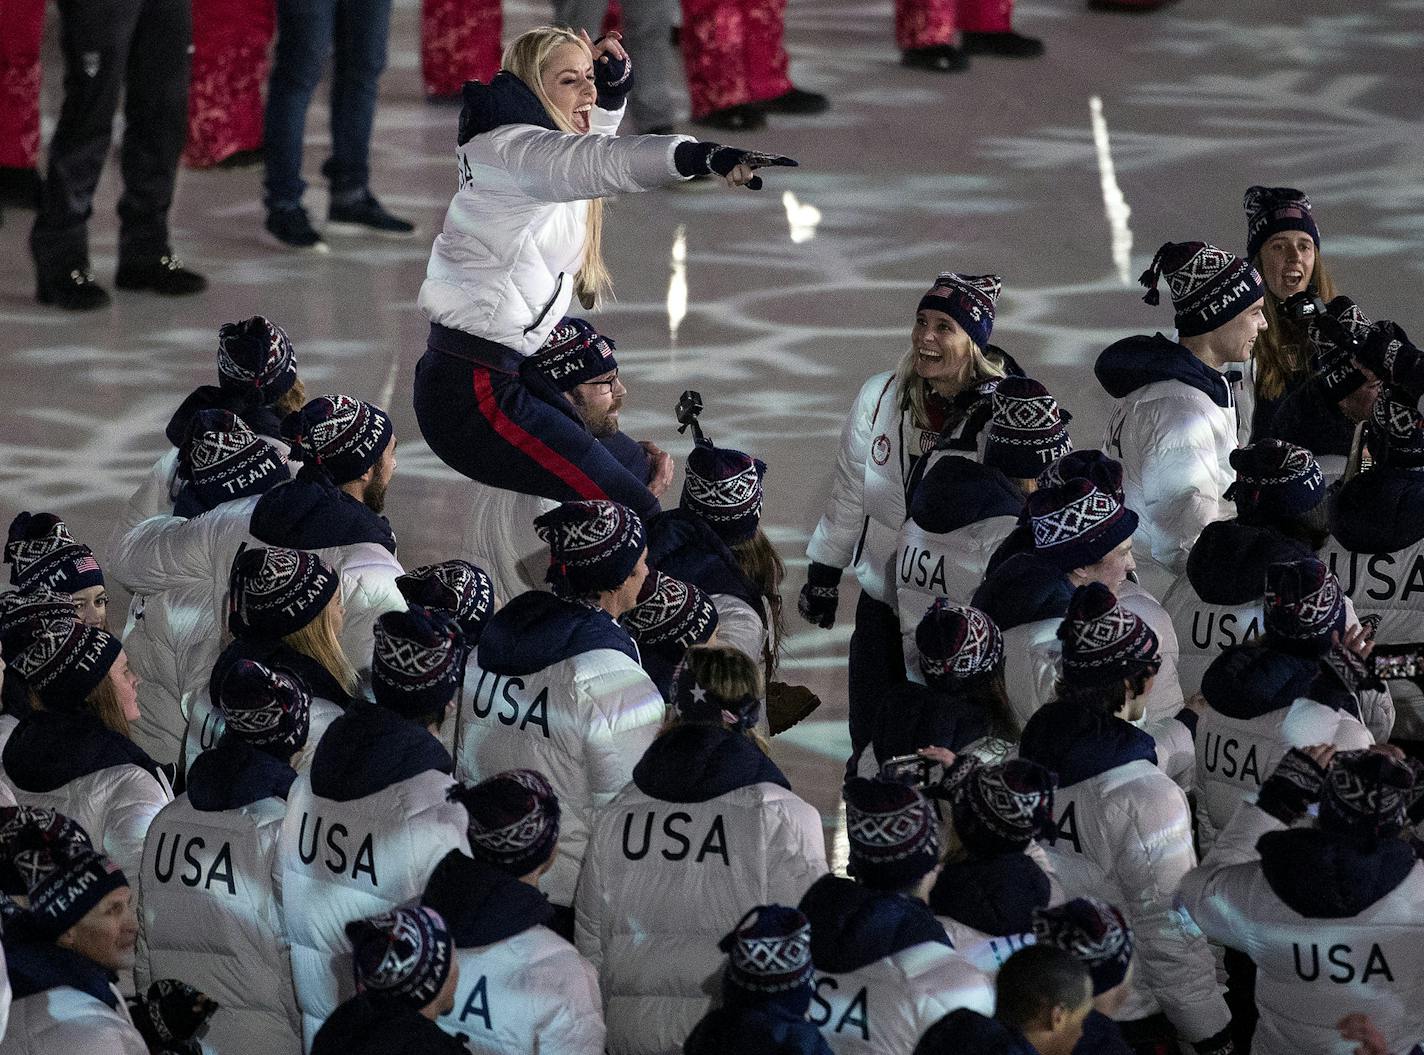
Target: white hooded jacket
{"type": "Point", "coordinates": [363, 832]}
{"type": "Point", "coordinates": [210, 912]}
{"type": "Point", "coordinates": [1332, 930]}
{"type": "Point", "coordinates": [1125, 836]}
{"type": "Point", "coordinates": [708, 829]}
{"type": "Point", "coordinates": [503, 266]}
{"type": "Point", "coordinates": [556, 687]}
{"type": "Point", "coordinates": [69, 1021]}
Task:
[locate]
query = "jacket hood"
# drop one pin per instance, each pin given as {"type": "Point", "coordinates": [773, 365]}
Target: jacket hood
{"type": "Point", "coordinates": [480, 903]}
{"type": "Point", "coordinates": [39, 966]}
{"type": "Point", "coordinates": [505, 100]}
{"type": "Point", "coordinates": [1101, 1036]}
{"type": "Point", "coordinates": [968, 1031]}
{"type": "Point", "coordinates": [234, 774]}
{"type": "Point", "coordinates": [957, 492]}
{"type": "Point", "coordinates": [911, 716]}
{"type": "Point", "coordinates": [1024, 589]}
{"type": "Point", "coordinates": [683, 545]}
{"type": "Point", "coordinates": [1019, 540]}
{"type": "Point", "coordinates": [1079, 744]}
{"type": "Point", "coordinates": [316, 514]}
{"type": "Point", "coordinates": [1249, 681]}
{"type": "Point", "coordinates": [852, 925]}
{"type": "Point", "coordinates": [538, 629]}
{"type": "Point", "coordinates": [694, 762]}
{"type": "Point", "coordinates": [1323, 875]}
{"type": "Point", "coordinates": [1380, 511]}
{"type": "Point", "coordinates": [1136, 362]}
{"type": "Point", "coordinates": [262, 420]}
{"type": "Point", "coordinates": [278, 655]}
{"type": "Point", "coordinates": [994, 895]}
{"type": "Point", "coordinates": [768, 1030]}
{"type": "Point", "coordinates": [367, 1026]}
{"type": "Point", "coordinates": [48, 749]}
{"type": "Point", "coordinates": [370, 748]}
{"type": "Point", "coordinates": [1227, 565]}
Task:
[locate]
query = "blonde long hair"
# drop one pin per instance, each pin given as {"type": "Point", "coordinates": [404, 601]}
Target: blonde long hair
{"type": "Point", "coordinates": [1283, 351]}
{"type": "Point", "coordinates": [525, 57]}
{"type": "Point", "coordinates": [102, 702]}
{"type": "Point", "coordinates": [318, 640]}
{"type": "Point", "coordinates": [913, 391]}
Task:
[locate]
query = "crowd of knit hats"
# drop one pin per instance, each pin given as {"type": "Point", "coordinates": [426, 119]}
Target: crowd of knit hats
{"type": "Point", "coordinates": [900, 827]}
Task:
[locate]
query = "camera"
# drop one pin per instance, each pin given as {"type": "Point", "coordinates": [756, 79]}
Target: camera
{"type": "Point", "coordinates": [1304, 306]}
{"type": "Point", "coordinates": [689, 406]}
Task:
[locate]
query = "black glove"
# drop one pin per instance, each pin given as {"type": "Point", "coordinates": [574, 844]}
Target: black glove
{"type": "Point", "coordinates": [1293, 787]}
{"type": "Point", "coordinates": [820, 596]}
{"type": "Point", "coordinates": [1220, 1044]}
{"type": "Point", "coordinates": [613, 77]}
{"type": "Point", "coordinates": [170, 1015]}
{"type": "Point", "coordinates": [702, 159]}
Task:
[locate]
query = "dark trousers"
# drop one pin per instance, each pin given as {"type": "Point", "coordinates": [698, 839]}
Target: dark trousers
{"type": "Point", "coordinates": [354, 34]}
{"type": "Point", "coordinates": [1241, 998]}
{"type": "Point", "coordinates": [493, 424]}
{"type": "Point", "coordinates": [137, 48]}
{"type": "Point", "coordinates": [877, 661]}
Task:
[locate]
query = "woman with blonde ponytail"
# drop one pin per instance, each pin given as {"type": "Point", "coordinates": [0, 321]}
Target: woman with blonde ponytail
{"type": "Point", "coordinates": [522, 237]}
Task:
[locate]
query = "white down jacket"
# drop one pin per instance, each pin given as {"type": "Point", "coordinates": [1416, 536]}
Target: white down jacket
{"type": "Point", "coordinates": [1333, 931]}
{"type": "Point", "coordinates": [1125, 836]}
{"type": "Point", "coordinates": [1235, 754]}
{"type": "Point", "coordinates": [364, 852]}
{"type": "Point", "coordinates": [1174, 441]}
{"type": "Point", "coordinates": [503, 265]}
{"type": "Point", "coordinates": [861, 525]}
{"type": "Point", "coordinates": [885, 971]}
{"type": "Point", "coordinates": [500, 538]}
{"type": "Point", "coordinates": [173, 562]}
{"type": "Point", "coordinates": [211, 915]}
{"type": "Point", "coordinates": [556, 688]}
{"type": "Point", "coordinates": [75, 766]}
{"type": "Point", "coordinates": [69, 1021]}
{"type": "Point", "coordinates": [167, 641]}
{"type": "Point", "coordinates": [709, 821]}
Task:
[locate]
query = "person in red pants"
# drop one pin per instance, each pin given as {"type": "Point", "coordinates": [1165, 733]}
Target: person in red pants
{"type": "Point", "coordinates": [459, 42]}
{"type": "Point", "coordinates": [231, 41]}
{"type": "Point", "coordinates": [736, 64]}
{"type": "Point", "coordinates": [925, 32]}
{"type": "Point", "coordinates": [20, 101]}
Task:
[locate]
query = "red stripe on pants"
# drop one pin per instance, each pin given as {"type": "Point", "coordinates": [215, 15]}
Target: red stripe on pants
{"type": "Point", "coordinates": [734, 52]}
{"type": "Point", "coordinates": [932, 23]}
{"type": "Point", "coordinates": [23, 22]}
{"type": "Point", "coordinates": [231, 41]}
{"type": "Point", "coordinates": [546, 457]}
{"type": "Point", "coordinates": [459, 42]}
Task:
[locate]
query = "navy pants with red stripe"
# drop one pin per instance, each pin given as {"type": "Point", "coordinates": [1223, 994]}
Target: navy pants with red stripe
{"type": "Point", "coordinates": [492, 422]}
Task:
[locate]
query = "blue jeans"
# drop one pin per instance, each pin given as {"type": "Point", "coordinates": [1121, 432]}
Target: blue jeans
{"type": "Point", "coordinates": [355, 34]}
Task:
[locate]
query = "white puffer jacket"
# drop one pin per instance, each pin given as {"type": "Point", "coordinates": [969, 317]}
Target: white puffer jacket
{"type": "Point", "coordinates": [68, 1021]}
{"type": "Point", "coordinates": [346, 859]}
{"type": "Point", "coordinates": [555, 688]}
{"type": "Point", "coordinates": [1312, 970]}
{"type": "Point", "coordinates": [500, 538]}
{"type": "Point", "coordinates": [950, 565]}
{"type": "Point", "coordinates": [206, 726]}
{"type": "Point", "coordinates": [167, 553]}
{"type": "Point", "coordinates": [210, 915]}
{"type": "Point", "coordinates": [114, 805]}
{"type": "Point", "coordinates": [168, 642]}
{"type": "Point", "coordinates": [503, 266]}
{"type": "Point", "coordinates": [866, 509]}
{"type": "Point", "coordinates": [710, 822]}
{"type": "Point", "coordinates": [1234, 755]}
{"type": "Point", "coordinates": [1125, 836]}
{"type": "Point", "coordinates": [1174, 442]}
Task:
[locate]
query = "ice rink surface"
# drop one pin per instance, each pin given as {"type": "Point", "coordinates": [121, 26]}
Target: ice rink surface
{"type": "Point", "coordinates": [1062, 174]}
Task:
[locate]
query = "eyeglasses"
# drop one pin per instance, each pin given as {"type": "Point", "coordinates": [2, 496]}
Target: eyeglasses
{"type": "Point", "coordinates": [604, 382]}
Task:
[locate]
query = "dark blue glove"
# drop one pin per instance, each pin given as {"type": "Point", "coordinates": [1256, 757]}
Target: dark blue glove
{"type": "Point", "coordinates": [702, 159]}
{"type": "Point", "coordinates": [613, 77]}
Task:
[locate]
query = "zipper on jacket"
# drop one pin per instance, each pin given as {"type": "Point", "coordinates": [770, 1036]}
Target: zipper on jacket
{"type": "Point", "coordinates": [860, 543]}
{"type": "Point", "coordinates": [558, 286]}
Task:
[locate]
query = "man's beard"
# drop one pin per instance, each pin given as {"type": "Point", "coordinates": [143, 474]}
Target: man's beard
{"type": "Point", "coordinates": [374, 497]}
{"type": "Point", "coordinates": [605, 426]}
